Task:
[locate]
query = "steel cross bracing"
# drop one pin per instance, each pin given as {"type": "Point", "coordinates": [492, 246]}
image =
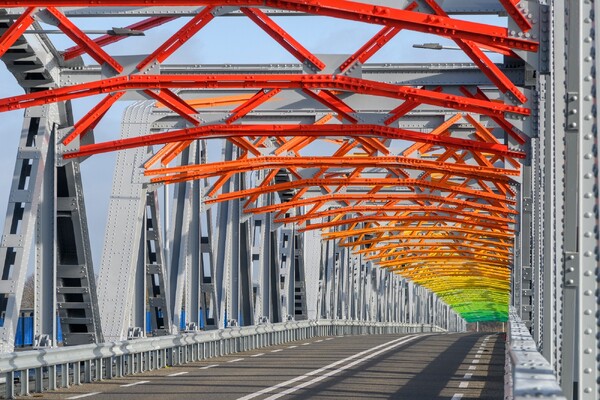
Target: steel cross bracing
{"type": "Point", "coordinates": [384, 192]}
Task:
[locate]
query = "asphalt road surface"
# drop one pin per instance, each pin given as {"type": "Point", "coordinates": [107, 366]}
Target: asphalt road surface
{"type": "Point", "coordinates": [412, 367]}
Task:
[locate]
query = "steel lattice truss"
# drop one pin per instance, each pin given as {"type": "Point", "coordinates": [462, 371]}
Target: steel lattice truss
{"type": "Point", "coordinates": [435, 205]}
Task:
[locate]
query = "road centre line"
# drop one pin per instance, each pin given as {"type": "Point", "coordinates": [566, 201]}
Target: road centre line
{"type": "Point", "coordinates": [342, 368]}
{"type": "Point", "coordinates": [236, 360]}
{"type": "Point", "coordinates": [292, 347]}
{"type": "Point", "coordinates": [468, 376]}
{"type": "Point", "coordinates": [210, 366]}
{"type": "Point", "coordinates": [463, 385]}
{"type": "Point", "coordinates": [305, 344]}
{"type": "Point", "coordinates": [276, 351]}
{"type": "Point", "coordinates": [473, 367]}
{"type": "Point", "coordinates": [81, 396]}
{"type": "Point", "coordinates": [135, 383]}
{"type": "Point", "coordinates": [457, 396]}
{"type": "Point", "coordinates": [257, 355]}
{"type": "Point", "coordinates": [317, 371]}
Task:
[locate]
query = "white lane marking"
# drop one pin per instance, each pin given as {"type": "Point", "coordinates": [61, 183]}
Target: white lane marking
{"type": "Point", "coordinates": [179, 373]}
{"type": "Point", "coordinates": [457, 396]}
{"type": "Point", "coordinates": [292, 347]}
{"type": "Point", "coordinates": [329, 338]}
{"type": "Point", "coordinates": [276, 351]}
{"type": "Point", "coordinates": [317, 371]}
{"type": "Point", "coordinates": [479, 351]}
{"type": "Point", "coordinates": [81, 396]}
{"type": "Point", "coordinates": [468, 376]}
{"type": "Point", "coordinates": [305, 344]}
{"type": "Point", "coordinates": [236, 360]}
{"type": "Point", "coordinates": [258, 355]}
{"type": "Point", "coordinates": [473, 367]}
{"type": "Point", "coordinates": [477, 355]}
{"type": "Point", "coordinates": [135, 383]}
{"type": "Point", "coordinates": [318, 341]}
{"type": "Point", "coordinates": [475, 362]}
{"type": "Point", "coordinates": [340, 369]}
{"type": "Point", "coordinates": [463, 385]}
{"type": "Point", "coordinates": [210, 366]}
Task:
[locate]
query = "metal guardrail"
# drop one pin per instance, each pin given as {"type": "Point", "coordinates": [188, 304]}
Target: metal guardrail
{"type": "Point", "coordinates": [48, 369]}
{"type": "Point", "coordinates": [528, 373]}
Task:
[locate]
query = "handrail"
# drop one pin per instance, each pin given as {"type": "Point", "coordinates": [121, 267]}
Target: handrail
{"type": "Point", "coordinates": [116, 359]}
{"type": "Point", "coordinates": [530, 374]}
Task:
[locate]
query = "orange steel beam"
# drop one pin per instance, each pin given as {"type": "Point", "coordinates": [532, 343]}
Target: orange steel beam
{"type": "Point", "coordinates": [301, 183]}
{"type": "Point", "coordinates": [258, 163]}
{"type": "Point", "coordinates": [406, 210]}
{"type": "Point", "coordinates": [414, 218]}
{"type": "Point", "coordinates": [378, 197]}
{"type": "Point", "coordinates": [391, 228]}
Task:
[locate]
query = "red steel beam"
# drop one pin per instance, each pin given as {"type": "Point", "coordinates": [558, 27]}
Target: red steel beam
{"type": "Point", "coordinates": [229, 131]}
{"type": "Point", "coordinates": [375, 44]}
{"type": "Point", "coordinates": [76, 35]}
{"type": "Point", "coordinates": [282, 37]}
{"type": "Point", "coordinates": [511, 8]}
{"type": "Point", "coordinates": [292, 81]}
{"type": "Point", "coordinates": [105, 40]}
{"type": "Point", "coordinates": [491, 70]}
{"type": "Point", "coordinates": [344, 9]}
{"type": "Point", "coordinates": [14, 32]}
{"type": "Point", "coordinates": [93, 117]}
{"type": "Point", "coordinates": [179, 38]}
{"type": "Point", "coordinates": [255, 101]}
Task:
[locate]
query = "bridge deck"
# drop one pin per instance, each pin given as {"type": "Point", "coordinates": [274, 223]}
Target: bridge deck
{"type": "Point", "coordinates": [437, 366]}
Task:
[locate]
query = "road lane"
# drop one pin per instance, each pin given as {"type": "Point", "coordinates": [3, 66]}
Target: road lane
{"type": "Point", "coordinates": [437, 366]}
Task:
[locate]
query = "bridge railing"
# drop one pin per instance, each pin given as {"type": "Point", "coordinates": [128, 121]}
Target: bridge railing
{"type": "Point", "coordinates": [48, 369]}
{"type": "Point", "coordinates": [528, 373]}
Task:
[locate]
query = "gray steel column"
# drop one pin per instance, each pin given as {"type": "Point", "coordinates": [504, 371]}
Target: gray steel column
{"type": "Point", "coordinates": [123, 246]}
{"type": "Point", "coordinates": [581, 233]}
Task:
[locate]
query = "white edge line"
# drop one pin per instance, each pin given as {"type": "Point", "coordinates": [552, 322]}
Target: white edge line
{"type": "Point", "coordinates": [317, 371]}
{"type": "Point", "coordinates": [258, 355]}
{"type": "Point", "coordinates": [81, 396]}
{"type": "Point", "coordinates": [179, 373]}
{"type": "Point", "coordinates": [386, 347]}
{"type": "Point", "coordinates": [135, 383]}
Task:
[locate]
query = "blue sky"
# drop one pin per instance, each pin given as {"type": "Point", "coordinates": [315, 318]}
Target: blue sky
{"type": "Point", "coordinates": [223, 40]}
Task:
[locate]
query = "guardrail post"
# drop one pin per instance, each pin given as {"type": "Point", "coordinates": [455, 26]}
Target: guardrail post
{"type": "Point", "coordinates": [10, 385]}
{"type": "Point", "coordinates": [76, 373]}
{"type": "Point", "coordinates": [24, 382]}
{"type": "Point", "coordinates": [98, 362]}
{"type": "Point", "coordinates": [64, 375]}
{"type": "Point", "coordinates": [39, 380]}
{"type": "Point", "coordinates": [52, 377]}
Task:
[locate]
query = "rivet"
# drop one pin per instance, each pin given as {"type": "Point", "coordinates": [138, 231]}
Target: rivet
{"type": "Point", "coordinates": [587, 214]}
{"type": "Point", "coordinates": [570, 281]}
{"type": "Point", "coordinates": [587, 273]}
{"type": "Point", "coordinates": [588, 156]}
{"type": "Point", "coordinates": [588, 331]}
{"type": "Point", "coordinates": [587, 370]}
{"type": "Point", "coordinates": [588, 136]}
{"type": "Point", "coordinates": [588, 175]}
{"type": "Point", "coordinates": [587, 390]}
{"type": "Point", "coordinates": [587, 312]}
{"type": "Point", "coordinates": [588, 292]}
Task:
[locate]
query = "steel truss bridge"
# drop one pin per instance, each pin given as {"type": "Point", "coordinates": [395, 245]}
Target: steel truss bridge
{"type": "Point", "coordinates": [269, 198]}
